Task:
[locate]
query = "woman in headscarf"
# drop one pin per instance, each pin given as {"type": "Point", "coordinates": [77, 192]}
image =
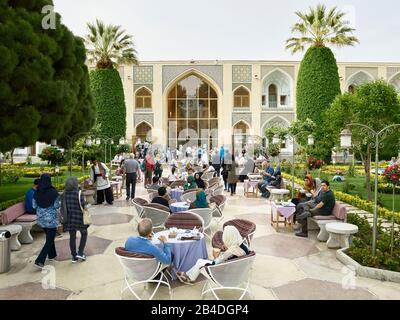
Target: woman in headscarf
{"type": "Point", "coordinates": [46, 201]}
{"type": "Point", "coordinates": [200, 202]}
{"type": "Point", "coordinates": [309, 188]}
{"type": "Point", "coordinates": [71, 203]}
{"type": "Point", "coordinates": [234, 246]}
{"type": "Point", "coordinates": [190, 184]}
{"type": "Point", "coordinates": [200, 182]}
{"type": "Point", "coordinates": [232, 176]}
{"type": "Point", "coordinates": [149, 168]}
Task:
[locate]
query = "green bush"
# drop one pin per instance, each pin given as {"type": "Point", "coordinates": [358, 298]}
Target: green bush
{"type": "Point", "coordinates": [348, 187]}
{"type": "Point", "coordinates": [52, 155]}
{"type": "Point", "coordinates": [11, 176]}
{"type": "Point", "coordinates": [108, 94]}
{"type": "Point", "coordinates": [317, 86]}
{"type": "Point", "coordinates": [6, 204]}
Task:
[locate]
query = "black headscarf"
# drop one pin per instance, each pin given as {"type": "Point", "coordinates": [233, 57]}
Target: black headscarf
{"type": "Point", "coordinates": [46, 193]}
{"type": "Point", "coordinates": [200, 183]}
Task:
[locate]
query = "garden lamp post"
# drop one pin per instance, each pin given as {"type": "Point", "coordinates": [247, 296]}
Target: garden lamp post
{"type": "Point", "coordinates": [71, 140]}
{"type": "Point", "coordinates": [378, 136]}
{"type": "Point", "coordinates": [310, 142]}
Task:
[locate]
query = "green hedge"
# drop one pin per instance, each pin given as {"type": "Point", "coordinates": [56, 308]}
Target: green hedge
{"type": "Point", "coordinates": [317, 86]}
{"type": "Point", "coordinates": [108, 94]}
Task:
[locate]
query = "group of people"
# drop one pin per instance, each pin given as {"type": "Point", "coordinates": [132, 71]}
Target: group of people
{"type": "Point", "coordinates": [271, 178]}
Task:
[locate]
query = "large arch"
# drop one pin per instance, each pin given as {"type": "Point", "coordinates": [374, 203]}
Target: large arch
{"type": "Point", "coordinates": [357, 79]}
{"type": "Point", "coordinates": [282, 83]}
{"type": "Point", "coordinates": [192, 101]}
{"type": "Point", "coordinates": [395, 81]}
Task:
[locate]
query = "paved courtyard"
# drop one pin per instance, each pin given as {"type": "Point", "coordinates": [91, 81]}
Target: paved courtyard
{"type": "Point", "coordinates": [286, 267]}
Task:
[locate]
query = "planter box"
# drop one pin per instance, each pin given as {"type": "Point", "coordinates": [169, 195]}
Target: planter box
{"type": "Point", "coordinates": [367, 272]}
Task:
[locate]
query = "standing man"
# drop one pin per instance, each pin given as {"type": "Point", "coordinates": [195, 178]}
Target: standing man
{"type": "Point", "coordinates": [216, 162]}
{"type": "Point", "coordinates": [222, 154]}
{"type": "Point", "coordinates": [99, 176]}
{"type": "Point", "coordinates": [132, 172]}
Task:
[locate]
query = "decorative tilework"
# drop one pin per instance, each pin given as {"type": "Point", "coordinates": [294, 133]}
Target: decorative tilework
{"type": "Point", "coordinates": [351, 71]}
{"type": "Point", "coordinates": [143, 116]}
{"type": "Point", "coordinates": [358, 78]}
{"type": "Point", "coordinates": [143, 75]}
{"type": "Point", "coordinates": [268, 69]}
{"type": "Point", "coordinates": [170, 73]}
{"type": "Point", "coordinates": [236, 117]}
{"type": "Point", "coordinates": [148, 86]}
{"type": "Point", "coordinates": [236, 85]}
{"type": "Point", "coordinates": [268, 119]}
{"type": "Point", "coordinates": [241, 74]}
{"type": "Point", "coordinates": [392, 71]}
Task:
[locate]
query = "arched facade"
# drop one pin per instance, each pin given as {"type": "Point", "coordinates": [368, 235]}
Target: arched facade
{"type": "Point", "coordinates": [357, 79]}
{"type": "Point", "coordinates": [143, 100]}
{"type": "Point", "coordinates": [395, 80]}
{"type": "Point", "coordinates": [143, 131]}
{"type": "Point", "coordinates": [241, 97]}
{"type": "Point", "coordinates": [277, 90]}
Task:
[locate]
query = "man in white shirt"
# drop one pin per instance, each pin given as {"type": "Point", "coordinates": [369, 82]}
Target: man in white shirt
{"type": "Point", "coordinates": [99, 176]}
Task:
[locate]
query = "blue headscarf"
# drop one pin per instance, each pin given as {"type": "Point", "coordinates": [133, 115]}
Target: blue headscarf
{"type": "Point", "coordinates": [46, 193]}
{"type": "Point", "coordinates": [201, 200]}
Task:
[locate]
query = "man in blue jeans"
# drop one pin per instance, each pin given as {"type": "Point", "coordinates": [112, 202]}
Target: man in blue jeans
{"type": "Point", "coordinates": [142, 243]}
{"type": "Point", "coordinates": [267, 175]}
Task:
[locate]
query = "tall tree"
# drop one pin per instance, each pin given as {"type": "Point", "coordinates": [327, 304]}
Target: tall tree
{"type": "Point", "coordinates": [108, 46]}
{"type": "Point", "coordinates": [318, 81]}
{"type": "Point", "coordinates": [43, 80]}
{"type": "Point", "coordinates": [374, 104]}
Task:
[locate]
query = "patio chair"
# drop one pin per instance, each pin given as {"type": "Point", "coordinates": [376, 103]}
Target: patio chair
{"type": "Point", "coordinates": [189, 195]}
{"type": "Point", "coordinates": [206, 215]}
{"type": "Point", "coordinates": [141, 269]}
{"type": "Point", "coordinates": [138, 203]}
{"type": "Point", "coordinates": [152, 194]}
{"type": "Point", "coordinates": [218, 191]}
{"type": "Point", "coordinates": [215, 180]}
{"type": "Point", "coordinates": [220, 202]}
{"type": "Point", "coordinates": [207, 176]}
{"type": "Point", "coordinates": [157, 213]}
{"type": "Point", "coordinates": [231, 275]}
{"type": "Point", "coordinates": [184, 220]}
{"type": "Point", "coordinates": [246, 229]}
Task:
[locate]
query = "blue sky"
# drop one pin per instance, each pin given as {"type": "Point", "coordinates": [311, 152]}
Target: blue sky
{"type": "Point", "coordinates": [234, 29]}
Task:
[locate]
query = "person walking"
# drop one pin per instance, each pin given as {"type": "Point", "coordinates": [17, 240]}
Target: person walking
{"type": "Point", "coordinates": [149, 166]}
{"type": "Point", "coordinates": [99, 176]}
{"type": "Point", "coordinates": [72, 203]}
{"type": "Point", "coordinates": [132, 171]}
{"type": "Point", "coordinates": [232, 176]}
{"type": "Point", "coordinates": [46, 201]}
{"type": "Point", "coordinates": [216, 163]}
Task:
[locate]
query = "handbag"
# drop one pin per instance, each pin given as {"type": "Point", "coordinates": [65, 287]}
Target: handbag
{"type": "Point", "coordinates": [85, 212]}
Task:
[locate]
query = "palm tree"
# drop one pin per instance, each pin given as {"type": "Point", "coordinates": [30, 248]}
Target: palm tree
{"type": "Point", "coordinates": [109, 45]}
{"type": "Point", "coordinates": [319, 28]}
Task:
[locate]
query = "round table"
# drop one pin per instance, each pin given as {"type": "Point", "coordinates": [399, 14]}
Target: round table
{"type": "Point", "coordinates": [278, 194]}
{"type": "Point", "coordinates": [176, 194]}
{"type": "Point", "coordinates": [340, 234]}
{"type": "Point", "coordinates": [185, 252]}
{"type": "Point", "coordinates": [179, 207]}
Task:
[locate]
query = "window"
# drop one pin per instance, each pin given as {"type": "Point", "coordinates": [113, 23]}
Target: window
{"type": "Point", "coordinates": [283, 100]}
{"type": "Point", "coordinates": [241, 98]}
{"type": "Point", "coordinates": [273, 96]}
{"type": "Point", "coordinates": [143, 99]}
{"type": "Point", "coordinates": [143, 131]}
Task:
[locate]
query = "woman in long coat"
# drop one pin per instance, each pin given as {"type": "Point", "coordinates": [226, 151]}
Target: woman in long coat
{"type": "Point", "coordinates": [233, 176]}
{"type": "Point", "coordinates": [73, 218]}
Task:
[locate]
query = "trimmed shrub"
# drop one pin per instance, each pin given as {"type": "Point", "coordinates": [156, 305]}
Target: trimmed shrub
{"type": "Point", "coordinates": [108, 94]}
{"type": "Point", "coordinates": [317, 86]}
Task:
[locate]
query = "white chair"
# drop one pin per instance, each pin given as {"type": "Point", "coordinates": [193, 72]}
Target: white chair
{"type": "Point", "coordinates": [142, 271]}
{"type": "Point", "coordinates": [230, 275]}
{"type": "Point", "coordinates": [220, 202]}
{"type": "Point", "coordinates": [138, 205]}
{"type": "Point", "coordinates": [157, 215]}
{"type": "Point", "coordinates": [189, 196]}
{"type": "Point", "coordinates": [218, 191]}
{"type": "Point", "coordinates": [207, 176]}
{"type": "Point", "coordinates": [152, 194]}
{"type": "Point", "coordinates": [206, 215]}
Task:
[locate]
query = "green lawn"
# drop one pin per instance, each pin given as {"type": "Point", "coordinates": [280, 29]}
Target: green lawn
{"type": "Point", "coordinates": [359, 190]}
{"type": "Point", "coordinates": [13, 191]}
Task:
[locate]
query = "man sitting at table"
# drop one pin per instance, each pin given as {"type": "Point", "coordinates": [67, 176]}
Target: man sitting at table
{"type": "Point", "coordinates": [323, 207]}
{"type": "Point", "coordinates": [267, 175]}
{"type": "Point", "coordinates": [161, 198]}
{"type": "Point", "coordinates": [142, 244]}
{"type": "Point", "coordinates": [156, 183]}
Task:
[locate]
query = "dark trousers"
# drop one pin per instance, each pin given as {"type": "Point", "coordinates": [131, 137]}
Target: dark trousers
{"type": "Point", "coordinates": [131, 185]}
{"type": "Point", "coordinates": [303, 212]}
{"type": "Point", "coordinates": [109, 196]}
{"type": "Point", "coordinates": [49, 248]}
{"type": "Point", "coordinates": [232, 186]}
{"type": "Point", "coordinates": [217, 168]}
{"type": "Point", "coordinates": [82, 244]}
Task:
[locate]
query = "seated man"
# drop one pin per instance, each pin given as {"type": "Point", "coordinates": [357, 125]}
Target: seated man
{"type": "Point", "coordinates": [267, 174]}
{"type": "Point", "coordinates": [29, 197]}
{"type": "Point", "coordinates": [156, 183]}
{"type": "Point", "coordinates": [161, 198]}
{"type": "Point", "coordinates": [142, 244]}
{"type": "Point", "coordinates": [321, 206]}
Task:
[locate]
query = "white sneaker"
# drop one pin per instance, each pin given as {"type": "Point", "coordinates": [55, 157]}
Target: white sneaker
{"type": "Point", "coordinates": [81, 257]}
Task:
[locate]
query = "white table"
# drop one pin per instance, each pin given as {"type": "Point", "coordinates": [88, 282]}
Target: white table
{"type": "Point", "coordinates": [179, 207]}
{"type": "Point", "coordinates": [340, 234]}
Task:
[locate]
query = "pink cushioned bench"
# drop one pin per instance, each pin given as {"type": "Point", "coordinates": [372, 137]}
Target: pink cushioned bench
{"type": "Point", "coordinates": [339, 214]}
{"type": "Point", "coordinates": [16, 215]}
